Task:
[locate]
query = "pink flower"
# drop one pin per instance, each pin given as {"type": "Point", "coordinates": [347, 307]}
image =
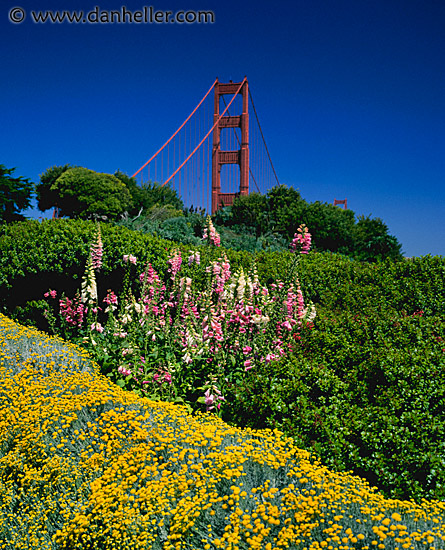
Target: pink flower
{"type": "Point", "coordinates": [97, 326]}
{"type": "Point", "coordinates": [150, 277]}
{"type": "Point", "coordinates": [129, 258]}
{"type": "Point", "coordinates": [300, 311]}
{"type": "Point", "coordinates": [96, 251]}
{"type": "Point", "coordinates": [72, 311]}
{"type": "Point", "coordinates": [175, 263]}
{"type": "Point", "coordinates": [302, 238]}
{"type": "Point", "coordinates": [210, 233]}
{"type": "Point", "coordinates": [194, 257]}
{"type": "Point", "coordinates": [124, 371]}
{"type": "Point", "coordinates": [209, 399]}
{"type": "Point", "coordinates": [111, 298]}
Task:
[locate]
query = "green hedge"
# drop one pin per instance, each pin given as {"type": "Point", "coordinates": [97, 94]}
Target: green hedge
{"type": "Point", "coordinates": [36, 256]}
{"type": "Point", "coordinates": [366, 393]}
{"type": "Point", "coordinates": [365, 389]}
{"type": "Point", "coordinates": [342, 284]}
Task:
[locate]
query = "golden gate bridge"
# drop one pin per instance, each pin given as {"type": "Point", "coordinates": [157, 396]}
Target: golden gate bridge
{"type": "Point", "coordinates": [218, 153]}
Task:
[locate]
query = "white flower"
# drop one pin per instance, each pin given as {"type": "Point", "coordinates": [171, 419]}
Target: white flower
{"type": "Point", "coordinates": [126, 319]}
{"type": "Point", "coordinates": [260, 319]}
{"type": "Point", "coordinates": [187, 358]}
{"type": "Point", "coordinates": [89, 287]}
{"type": "Point", "coordinates": [241, 285]}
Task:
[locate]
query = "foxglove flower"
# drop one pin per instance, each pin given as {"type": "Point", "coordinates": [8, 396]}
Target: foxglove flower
{"type": "Point", "coordinates": [210, 233]}
{"type": "Point", "coordinates": [96, 251]}
{"type": "Point", "coordinates": [302, 239]}
{"type": "Point", "coordinates": [89, 287]}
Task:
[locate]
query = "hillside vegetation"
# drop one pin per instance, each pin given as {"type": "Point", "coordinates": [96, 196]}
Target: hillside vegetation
{"type": "Point", "coordinates": [362, 386]}
{"type": "Point", "coordinates": [84, 464]}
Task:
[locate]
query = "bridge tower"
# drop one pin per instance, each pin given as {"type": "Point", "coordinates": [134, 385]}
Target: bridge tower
{"type": "Point", "coordinates": [344, 202]}
{"type": "Point", "coordinates": [240, 156]}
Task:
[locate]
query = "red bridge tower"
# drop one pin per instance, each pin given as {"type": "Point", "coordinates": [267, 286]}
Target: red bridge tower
{"type": "Point", "coordinates": [240, 156]}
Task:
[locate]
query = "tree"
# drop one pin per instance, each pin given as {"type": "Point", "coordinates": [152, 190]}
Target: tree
{"type": "Point", "coordinates": [15, 195]}
{"type": "Point", "coordinates": [149, 195]}
{"type": "Point", "coordinates": [372, 241]}
{"type": "Point", "coordinates": [83, 193]}
{"type": "Point", "coordinates": [246, 210]}
{"type": "Point", "coordinates": [47, 195]}
{"type": "Point", "coordinates": [332, 228]}
{"type": "Point", "coordinates": [286, 210]}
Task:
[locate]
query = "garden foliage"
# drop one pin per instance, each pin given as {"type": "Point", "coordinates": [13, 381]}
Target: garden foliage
{"type": "Point", "coordinates": [84, 193]}
{"type": "Point", "coordinates": [84, 464]}
{"type": "Point", "coordinates": [35, 256]}
{"type": "Point", "coordinates": [191, 336]}
{"type": "Point", "coordinates": [276, 216]}
{"type": "Point", "coordinates": [15, 195]}
{"type": "Point", "coordinates": [365, 387]}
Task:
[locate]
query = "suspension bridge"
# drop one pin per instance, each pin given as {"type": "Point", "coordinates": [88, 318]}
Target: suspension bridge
{"type": "Point", "coordinates": [218, 153]}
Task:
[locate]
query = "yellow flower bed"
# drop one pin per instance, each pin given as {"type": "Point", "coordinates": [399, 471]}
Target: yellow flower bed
{"type": "Point", "coordinates": [86, 465]}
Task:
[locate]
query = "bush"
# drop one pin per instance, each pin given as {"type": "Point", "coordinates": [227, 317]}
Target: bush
{"type": "Point", "coordinates": [36, 256]}
{"type": "Point", "coordinates": [84, 464]}
{"type": "Point", "coordinates": [365, 392]}
{"type": "Point", "coordinates": [282, 210]}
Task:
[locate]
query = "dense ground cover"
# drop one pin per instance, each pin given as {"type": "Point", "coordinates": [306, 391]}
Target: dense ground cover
{"type": "Point", "coordinates": [35, 256]}
{"type": "Point", "coordinates": [84, 464]}
{"type": "Point", "coordinates": [364, 389]}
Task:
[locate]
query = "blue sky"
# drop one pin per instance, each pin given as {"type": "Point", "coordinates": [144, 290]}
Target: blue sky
{"type": "Point", "coordinates": [350, 94]}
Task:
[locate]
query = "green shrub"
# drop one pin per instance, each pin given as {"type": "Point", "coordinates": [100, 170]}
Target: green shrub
{"type": "Point", "coordinates": [367, 394]}
{"type": "Point", "coordinates": [36, 256]}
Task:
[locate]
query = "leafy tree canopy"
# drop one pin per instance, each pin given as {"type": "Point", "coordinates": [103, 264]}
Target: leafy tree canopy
{"type": "Point", "coordinates": [83, 193]}
{"type": "Point", "coordinates": [372, 241]}
{"type": "Point", "coordinates": [47, 195]}
{"type": "Point", "coordinates": [15, 195]}
{"type": "Point", "coordinates": [149, 195]}
{"type": "Point", "coordinates": [282, 210]}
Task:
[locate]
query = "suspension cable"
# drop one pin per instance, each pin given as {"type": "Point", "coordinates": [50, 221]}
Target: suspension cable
{"type": "Point", "coordinates": [182, 125]}
{"type": "Point", "coordinates": [239, 144]}
{"type": "Point", "coordinates": [207, 135]}
{"type": "Point", "coordinates": [262, 135]}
